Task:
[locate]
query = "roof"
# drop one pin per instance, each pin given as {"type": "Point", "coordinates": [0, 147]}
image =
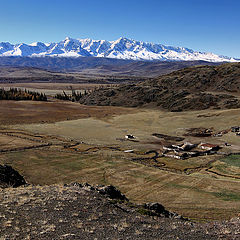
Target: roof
{"type": "Point", "coordinates": [209, 145]}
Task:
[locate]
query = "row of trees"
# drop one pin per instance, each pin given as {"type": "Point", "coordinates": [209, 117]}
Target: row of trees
{"type": "Point", "coordinates": [19, 94]}
{"type": "Point", "coordinates": [74, 97]}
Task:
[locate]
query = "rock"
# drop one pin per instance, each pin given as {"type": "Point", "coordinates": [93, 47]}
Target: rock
{"type": "Point", "coordinates": [159, 209]}
{"type": "Point", "coordinates": [74, 184]}
{"type": "Point", "coordinates": [85, 186]}
{"type": "Point", "coordinates": [10, 177]}
{"type": "Point", "coordinates": [111, 192]}
{"type": "Point", "coordinates": [156, 207]}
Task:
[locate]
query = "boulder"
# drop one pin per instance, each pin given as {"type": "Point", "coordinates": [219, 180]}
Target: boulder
{"type": "Point", "coordinates": [159, 210]}
{"type": "Point", "coordinates": [111, 192]}
{"type": "Point", "coordinates": [10, 177]}
{"type": "Point", "coordinates": [156, 207]}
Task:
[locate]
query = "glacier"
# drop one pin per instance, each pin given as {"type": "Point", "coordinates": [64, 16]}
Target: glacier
{"type": "Point", "coordinates": [122, 48]}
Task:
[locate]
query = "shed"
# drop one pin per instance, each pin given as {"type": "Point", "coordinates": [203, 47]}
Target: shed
{"type": "Point", "coordinates": [129, 136]}
{"type": "Point", "coordinates": [235, 129]}
{"type": "Point", "coordinates": [209, 147]}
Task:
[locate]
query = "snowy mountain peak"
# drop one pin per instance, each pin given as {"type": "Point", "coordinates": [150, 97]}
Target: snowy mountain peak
{"type": "Point", "coordinates": [122, 48]}
{"type": "Point", "coordinates": [67, 38]}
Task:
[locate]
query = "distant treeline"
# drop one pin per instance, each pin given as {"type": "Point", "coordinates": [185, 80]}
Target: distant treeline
{"type": "Point", "coordinates": [19, 94]}
{"type": "Point", "coordinates": [74, 97]}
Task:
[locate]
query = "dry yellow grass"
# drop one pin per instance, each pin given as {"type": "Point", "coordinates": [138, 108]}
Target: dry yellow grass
{"type": "Point", "coordinates": [142, 123]}
{"type": "Point", "coordinates": [196, 197]}
{"type": "Point", "coordinates": [200, 195]}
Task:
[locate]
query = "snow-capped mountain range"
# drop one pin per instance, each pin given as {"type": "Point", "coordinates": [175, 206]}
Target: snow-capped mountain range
{"type": "Point", "coordinates": [122, 48]}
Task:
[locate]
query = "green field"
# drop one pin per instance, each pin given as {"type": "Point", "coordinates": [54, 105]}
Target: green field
{"type": "Point", "coordinates": [233, 160]}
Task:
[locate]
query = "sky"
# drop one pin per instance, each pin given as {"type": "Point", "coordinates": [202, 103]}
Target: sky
{"type": "Point", "coordinates": [202, 25]}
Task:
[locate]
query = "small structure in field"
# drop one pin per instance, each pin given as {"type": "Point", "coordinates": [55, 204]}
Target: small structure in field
{"type": "Point", "coordinates": [185, 146]}
{"type": "Point", "coordinates": [168, 148]}
{"type": "Point", "coordinates": [199, 132]}
{"type": "Point", "coordinates": [181, 154]}
{"type": "Point", "coordinates": [217, 135]}
{"type": "Point", "coordinates": [235, 129]}
{"type": "Point", "coordinates": [182, 147]}
{"type": "Point", "coordinates": [189, 150]}
{"type": "Point", "coordinates": [209, 147]}
{"type": "Point", "coordinates": [175, 154]}
{"type": "Point", "coordinates": [221, 133]}
{"type": "Point", "coordinates": [130, 137]}
{"type": "Point", "coordinates": [227, 144]}
{"type": "Point", "coordinates": [129, 151]}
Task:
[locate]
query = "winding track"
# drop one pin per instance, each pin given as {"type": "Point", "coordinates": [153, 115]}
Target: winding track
{"type": "Point", "coordinates": [69, 146]}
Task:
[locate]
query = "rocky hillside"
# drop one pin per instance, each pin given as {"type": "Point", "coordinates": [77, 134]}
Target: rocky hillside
{"type": "Point", "coordinates": [82, 211]}
{"type": "Point", "coordinates": [193, 88]}
{"type": "Point", "coordinates": [78, 211]}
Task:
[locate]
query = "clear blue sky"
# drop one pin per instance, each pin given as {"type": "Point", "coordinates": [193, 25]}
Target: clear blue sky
{"type": "Point", "coordinates": [204, 25]}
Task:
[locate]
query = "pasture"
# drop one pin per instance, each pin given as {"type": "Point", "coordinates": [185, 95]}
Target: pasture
{"type": "Point", "coordinates": [87, 144]}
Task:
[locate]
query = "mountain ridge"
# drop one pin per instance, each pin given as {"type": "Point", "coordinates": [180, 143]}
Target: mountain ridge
{"type": "Point", "coordinates": [122, 48]}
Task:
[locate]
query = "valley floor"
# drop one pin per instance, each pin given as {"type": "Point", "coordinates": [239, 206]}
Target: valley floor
{"type": "Point", "coordinates": [63, 142]}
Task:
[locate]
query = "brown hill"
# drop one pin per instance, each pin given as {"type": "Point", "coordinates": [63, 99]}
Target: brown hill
{"type": "Point", "coordinates": [193, 88]}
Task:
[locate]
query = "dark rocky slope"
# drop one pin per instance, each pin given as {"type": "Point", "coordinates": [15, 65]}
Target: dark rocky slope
{"type": "Point", "coordinates": [194, 88]}
{"type": "Point", "coordinates": [83, 212]}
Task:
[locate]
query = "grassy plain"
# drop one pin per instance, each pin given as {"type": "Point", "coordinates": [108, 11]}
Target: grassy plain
{"type": "Point", "coordinates": [197, 197]}
{"type": "Point", "coordinates": [109, 128]}
{"type": "Point", "coordinates": [87, 145]}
